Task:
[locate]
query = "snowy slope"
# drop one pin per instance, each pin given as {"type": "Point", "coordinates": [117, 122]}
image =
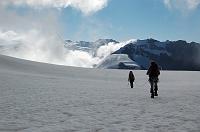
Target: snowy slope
{"type": "Point", "coordinates": [38, 97]}
{"type": "Point", "coordinates": [113, 62]}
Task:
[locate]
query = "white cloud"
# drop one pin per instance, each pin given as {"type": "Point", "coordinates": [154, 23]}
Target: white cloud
{"type": "Point", "coordinates": [183, 5]}
{"type": "Point", "coordinates": [85, 6]}
{"type": "Point", "coordinates": [41, 46]}
{"type": "Point", "coordinates": [81, 59]}
{"type": "Point", "coordinates": [32, 45]}
{"type": "Point", "coordinates": [192, 4]}
{"type": "Point", "coordinates": [38, 46]}
{"type": "Point", "coordinates": [34, 35]}
{"type": "Point", "coordinates": [111, 47]}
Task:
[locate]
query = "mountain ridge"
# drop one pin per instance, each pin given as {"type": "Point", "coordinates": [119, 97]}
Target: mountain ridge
{"type": "Point", "coordinates": [170, 55]}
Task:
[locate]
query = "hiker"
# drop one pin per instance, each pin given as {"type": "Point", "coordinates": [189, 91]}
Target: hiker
{"type": "Point", "coordinates": [153, 73]}
{"type": "Point", "coordinates": [131, 78]}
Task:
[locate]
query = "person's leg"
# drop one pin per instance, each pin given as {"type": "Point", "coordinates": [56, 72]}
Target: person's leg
{"type": "Point", "coordinates": [131, 82]}
{"type": "Point", "coordinates": [156, 89]}
{"type": "Point", "coordinates": [151, 83]}
{"type": "Point", "coordinates": [152, 89]}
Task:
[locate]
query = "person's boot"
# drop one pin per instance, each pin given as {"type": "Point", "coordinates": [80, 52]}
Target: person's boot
{"type": "Point", "coordinates": [131, 86]}
{"type": "Point", "coordinates": [156, 93]}
{"type": "Point", "coordinates": [152, 95]}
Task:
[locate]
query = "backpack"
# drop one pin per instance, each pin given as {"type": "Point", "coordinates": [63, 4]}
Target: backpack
{"type": "Point", "coordinates": [131, 77]}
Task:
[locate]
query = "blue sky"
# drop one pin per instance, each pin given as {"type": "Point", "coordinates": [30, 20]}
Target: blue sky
{"type": "Point", "coordinates": [117, 19]}
{"type": "Point", "coordinates": [140, 19]}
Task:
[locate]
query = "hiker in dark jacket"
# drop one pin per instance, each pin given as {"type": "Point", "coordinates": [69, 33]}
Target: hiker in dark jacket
{"type": "Point", "coordinates": [131, 78]}
{"type": "Point", "coordinates": [153, 73]}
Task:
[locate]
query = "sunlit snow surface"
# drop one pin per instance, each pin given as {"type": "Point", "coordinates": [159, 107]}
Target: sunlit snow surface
{"type": "Point", "coordinates": [37, 97]}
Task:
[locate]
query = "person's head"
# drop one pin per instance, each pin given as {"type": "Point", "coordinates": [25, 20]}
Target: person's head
{"type": "Point", "coordinates": [153, 63]}
{"type": "Point", "coordinates": [130, 72]}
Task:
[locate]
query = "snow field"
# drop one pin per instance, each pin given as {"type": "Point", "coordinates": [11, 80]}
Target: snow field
{"type": "Point", "coordinates": [38, 97]}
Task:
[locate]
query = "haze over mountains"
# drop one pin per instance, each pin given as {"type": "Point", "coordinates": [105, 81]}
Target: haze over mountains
{"type": "Point", "coordinates": [170, 55]}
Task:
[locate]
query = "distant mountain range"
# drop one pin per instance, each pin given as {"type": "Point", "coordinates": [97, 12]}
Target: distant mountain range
{"type": "Point", "coordinates": [87, 46]}
{"type": "Point", "coordinates": [135, 54]}
{"type": "Point", "coordinates": [170, 55]}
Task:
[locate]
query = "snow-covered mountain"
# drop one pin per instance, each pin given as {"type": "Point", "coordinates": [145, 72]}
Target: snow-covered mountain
{"type": "Point", "coordinates": [118, 61]}
{"type": "Point", "coordinates": [101, 49]}
{"type": "Point", "coordinates": [170, 55]}
{"type": "Point", "coordinates": [88, 46]}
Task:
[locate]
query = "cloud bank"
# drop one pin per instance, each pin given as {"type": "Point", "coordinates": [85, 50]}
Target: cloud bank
{"type": "Point", "coordinates": [34, 36]}
{"type": "Point", "coordinates": [32, 45]}
{"type": "Point", "coordinates": [105, 50]}
{"type": "Point", "coordinates": [183, 5]}
{"type": "Point", "coordinates": [37, 46]}
{"type": "Point", "coordinates": [42, 47]}
{"type": "Point", "coordinates": [85, 6]}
